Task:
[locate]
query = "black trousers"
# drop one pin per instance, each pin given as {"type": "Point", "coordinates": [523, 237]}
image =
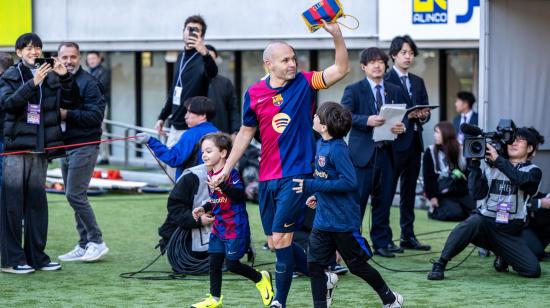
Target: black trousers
{"type": "Point", "coordinates": [540, 224]}
{"type": "Point", "coordinates": [376, 179]}
{"type": "Point", "coordinates": [407, 169]}
{"type": "Point", "coordinates": [453, 208]}
{"type": "Point", "coordinates": [503, 239]}
{"type": "Point", "coordinates": [355, 251]}
{"type": "Point", "coordinates": [23, 200]}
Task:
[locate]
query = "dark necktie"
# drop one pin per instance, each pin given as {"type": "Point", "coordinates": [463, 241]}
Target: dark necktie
{"type": "Point", "coordinates": [464, 119]}
{"type": "Point", "coordinates": [404, 82]}
{"type": "Point", "coordinates": [379, 101]}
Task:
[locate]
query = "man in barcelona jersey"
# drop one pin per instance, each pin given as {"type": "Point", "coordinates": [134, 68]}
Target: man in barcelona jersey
{"type": "Point", "coordinates": [282, 108]}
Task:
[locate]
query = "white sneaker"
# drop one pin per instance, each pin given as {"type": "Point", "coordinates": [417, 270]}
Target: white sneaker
{"type": "Point", "coordinates": [18, 269]}
{"type": "Point", "coordinates": [95, 252]}
{"type": "Point", "coordinates": [398, 303]}
{"type": "Point", "coordinates": [332, 279]}
{"type": "Point", "coordinates": [74, 255]}
{"type": "Point", "coordinates": [275, 304]}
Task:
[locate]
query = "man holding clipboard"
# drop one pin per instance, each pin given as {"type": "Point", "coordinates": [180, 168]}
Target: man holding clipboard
{"type": "Point", "coordinates": [373, 160]}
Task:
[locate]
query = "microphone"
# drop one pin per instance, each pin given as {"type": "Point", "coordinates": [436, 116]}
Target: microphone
{"type": "Point", "coordinates": [469, 129]}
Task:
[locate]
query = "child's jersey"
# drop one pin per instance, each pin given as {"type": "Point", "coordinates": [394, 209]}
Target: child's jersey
{"type": "Point", "coordinates": [228, 204]}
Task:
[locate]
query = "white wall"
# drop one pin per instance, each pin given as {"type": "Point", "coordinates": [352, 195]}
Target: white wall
{"type": "Point", "coordinates": [514, 68]}
{"type": "Point", "coordinates": [157, 25]}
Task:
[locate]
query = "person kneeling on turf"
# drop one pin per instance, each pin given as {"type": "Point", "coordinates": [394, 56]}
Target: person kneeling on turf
{"type": "Point", "coordinates": [230, 237]}
{"type": "Point", "coordinates": [505, 189]}
{"type": "Point", "coordinates": [336, 225]}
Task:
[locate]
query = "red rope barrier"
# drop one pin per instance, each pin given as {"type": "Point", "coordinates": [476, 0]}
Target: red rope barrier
{"type": "Point", "coordinates": [68, 146]}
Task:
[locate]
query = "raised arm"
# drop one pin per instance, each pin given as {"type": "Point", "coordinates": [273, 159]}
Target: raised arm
{"type": "Point", "coordinates": [340, 68]}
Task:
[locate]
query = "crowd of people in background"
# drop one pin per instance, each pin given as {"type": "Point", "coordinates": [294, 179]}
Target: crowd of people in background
{"type": "Point", "coordinates": [305, 166]}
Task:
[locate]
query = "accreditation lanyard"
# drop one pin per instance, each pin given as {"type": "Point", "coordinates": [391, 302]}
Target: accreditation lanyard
{"type": "Point", "coordinates": [177, 89]}
{"type": "Point", "coordinates": [503, 207]}
{"type": "Point", "coordinates": [33, 110]}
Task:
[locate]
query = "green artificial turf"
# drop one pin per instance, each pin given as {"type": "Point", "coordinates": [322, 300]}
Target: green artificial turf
{"type": "Point", "coordinates": [129, 224]}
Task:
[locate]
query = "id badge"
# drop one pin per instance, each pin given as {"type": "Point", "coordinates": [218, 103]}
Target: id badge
{"type": "Point", "coordinates": [177, 96]}
{"type": "Point", "coordinates": [503, 213]}
{"type": "Point", "coordinates": [33, 114]}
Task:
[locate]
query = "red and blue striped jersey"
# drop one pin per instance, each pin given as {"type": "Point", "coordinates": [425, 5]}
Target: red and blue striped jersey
{"type": "Point", "coordinates": [227, 203]}
{"type": "Point", "coordinates": [284, 117]}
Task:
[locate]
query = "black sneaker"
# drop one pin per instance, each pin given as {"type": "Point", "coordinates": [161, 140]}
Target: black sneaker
{"type": "Point", "coordinates": [500, 265]}
{"type": "Point", "coordinates": [52, 266]}
{"type": "Point", "coordinates": [18, 269]}
{"type": "Point", "coordinates": [437, 272]}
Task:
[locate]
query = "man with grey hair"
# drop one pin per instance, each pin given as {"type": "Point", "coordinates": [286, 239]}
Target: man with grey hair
{"type": "Point", "coordinates": [82, 125]}
{"type": "Point", "coordinates": [282, 108]}
{"type": "Point", "coordinates": [6, 61]}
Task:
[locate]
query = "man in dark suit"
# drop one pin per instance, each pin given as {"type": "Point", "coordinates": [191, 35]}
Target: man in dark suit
{"type": "Point", "coordinates": [464, 103]}
{"type": "Point", "coordinates": [408, 147]}
{"type": "Point", "coordinates": [222, 92]}
{"type": "Point", "coordinates": [373, 161]}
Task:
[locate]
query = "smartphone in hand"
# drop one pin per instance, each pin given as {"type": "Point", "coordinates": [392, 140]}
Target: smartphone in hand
{"type": "Point", "coordinates": [39, 61]}
{"type": "Point", "coordinates": [193, 31]}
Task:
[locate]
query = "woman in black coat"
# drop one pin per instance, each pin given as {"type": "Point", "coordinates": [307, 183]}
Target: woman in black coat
{"type": "Point", "coordinates": [445, 183]}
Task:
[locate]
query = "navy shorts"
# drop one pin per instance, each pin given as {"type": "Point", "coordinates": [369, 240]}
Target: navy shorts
{"type": "Point", "coordinates": [281, 208]}
{"type": "Point", "coordinates": [234, 249]}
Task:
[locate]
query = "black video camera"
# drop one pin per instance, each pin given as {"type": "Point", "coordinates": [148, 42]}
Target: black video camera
{"type": "Point", "coordinates": [476, 140]}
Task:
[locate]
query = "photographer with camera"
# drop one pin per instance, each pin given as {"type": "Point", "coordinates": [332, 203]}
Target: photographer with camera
{"type": "Point", "coordinates": [192, 74]}
{"type": "Point", "coordinates": [505, 187]}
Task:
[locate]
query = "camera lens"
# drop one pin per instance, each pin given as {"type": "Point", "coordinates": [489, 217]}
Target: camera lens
{"type": "Point", "coordinates": [476, 148]}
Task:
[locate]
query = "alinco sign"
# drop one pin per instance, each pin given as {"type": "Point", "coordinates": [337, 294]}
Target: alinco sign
{"type": "Point", "coordinates": [429, 12]}
{"type": "Point", "coordinates": [435, 12]}
{"type": "Point", "coordinates": [429, 19]}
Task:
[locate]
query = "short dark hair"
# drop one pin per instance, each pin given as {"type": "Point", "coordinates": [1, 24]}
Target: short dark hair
{"type": "Point", "coordinates": [94, 52]}
{"type": "Point", "coordinates": [201, 105]}
{"type": "Point", "coordinates": [68, 44]}
{"type": "Point", "coordinates": [532, 136]}
{"type": "Point", "coordinates": [27, 39]}
{"type": "Point", "coordinates": [374, 54]}
{"type": "Point", "coordinates": [6, 61]}
{"type": "Point", "coordinates": [198, 20]}
{"type": "Point", "coordinates": [397, 44]}
{"type": "Point", "coordinates": [212, 48]}
{"type": "Point", "coordinates": [336, 118]}
{"type": "Point", "coordinates": [466, 96]}
{"type": "Point", "coordinates": [221, 140]}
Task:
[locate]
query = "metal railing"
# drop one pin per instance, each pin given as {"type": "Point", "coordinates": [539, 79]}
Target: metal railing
{"type": "Point", "coordinates": [129, 130]}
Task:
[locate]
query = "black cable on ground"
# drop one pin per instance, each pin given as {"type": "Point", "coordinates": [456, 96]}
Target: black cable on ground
{"type": "Point", "coordinates": [184, 265]}
{"type": "Point", "coordinates": [181, 257]}
{"type": "Point", "coordinates": [165, 275]}
{"type": "Point", "coordinates": [418, 254]}
{"type": "Point", "coordinates": [423, 270]}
